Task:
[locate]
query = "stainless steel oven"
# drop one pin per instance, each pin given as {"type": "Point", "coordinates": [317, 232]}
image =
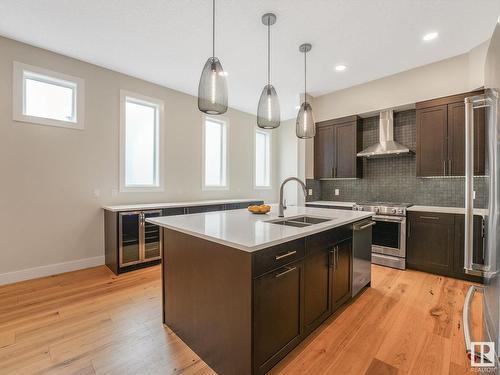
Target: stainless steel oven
{"type": "Point", "coordinates": [389, 241]}
{"type": "Point", "coordinates": [389, 233]}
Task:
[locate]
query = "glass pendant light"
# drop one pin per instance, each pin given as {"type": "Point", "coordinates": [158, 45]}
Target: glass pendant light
{"type": "Point", "coordinates": [305, 125]}
{"type": "Point", "coordinates": [268, 110]}
{"type": "Point", "coordinates": [212, 89]}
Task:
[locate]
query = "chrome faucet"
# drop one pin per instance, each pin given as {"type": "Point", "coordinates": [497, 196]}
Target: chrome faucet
{"type": "Point", "coordinates": [281, 209]}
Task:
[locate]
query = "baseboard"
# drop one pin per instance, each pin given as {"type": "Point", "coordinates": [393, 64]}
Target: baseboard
{"type": "Point", "coordinates": [51, 269]}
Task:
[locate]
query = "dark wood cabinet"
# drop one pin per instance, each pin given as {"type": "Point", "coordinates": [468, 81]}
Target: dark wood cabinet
{"type": "Point", "coordinates": [430, 241]}
{"type": "Point", "coordinates": [318, 287]}
{"type": "Point", "coordinates": [324, 147]}
{"type": "Point", "coordinates": [432, 124]}
{"type": "Point", "coordinates": [436, 243]}
{"type": "Point", "coordinates": [277, 314]}
{"type": "Point", "coordinates": [336, 145]}
{"type": "Point", "coordinates": [341, 267]}
{"type": "Point", "coordinates": [441, 137]}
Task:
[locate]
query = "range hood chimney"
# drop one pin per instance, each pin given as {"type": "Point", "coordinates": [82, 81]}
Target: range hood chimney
{"type": "Point", "coordinates": [386, 145]}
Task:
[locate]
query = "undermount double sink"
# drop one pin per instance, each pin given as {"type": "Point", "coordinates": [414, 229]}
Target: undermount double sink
{"type": "Point", "coordinates": [299, 221]}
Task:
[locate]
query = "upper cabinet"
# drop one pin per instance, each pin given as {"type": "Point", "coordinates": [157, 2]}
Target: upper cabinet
{"type": "Point", "coordinates": [441, 137]}
{"type": "Point", "coordinates": [335, 147]}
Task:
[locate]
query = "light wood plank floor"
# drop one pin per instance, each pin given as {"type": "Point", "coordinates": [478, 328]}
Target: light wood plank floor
{"type": "Point", "coordinates": [93, 322]}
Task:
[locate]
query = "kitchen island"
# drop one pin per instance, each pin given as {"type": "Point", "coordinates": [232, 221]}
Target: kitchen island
{"type": "Point", "coordinates": [242, 290]}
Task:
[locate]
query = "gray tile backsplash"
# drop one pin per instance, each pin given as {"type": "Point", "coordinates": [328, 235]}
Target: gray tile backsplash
{"type": "Point", "coordinates": [394, 178]}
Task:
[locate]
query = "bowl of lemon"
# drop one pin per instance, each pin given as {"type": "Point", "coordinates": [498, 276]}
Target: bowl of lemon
{"type": "Point", "coordinates": [259, 209]}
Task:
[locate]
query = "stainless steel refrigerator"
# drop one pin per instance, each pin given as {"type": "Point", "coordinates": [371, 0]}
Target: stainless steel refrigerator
{"type": "Point", "coordinates": [489, 265]}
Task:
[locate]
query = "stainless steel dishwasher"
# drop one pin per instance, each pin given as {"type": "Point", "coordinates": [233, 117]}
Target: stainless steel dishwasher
{"type": "Point", "coordinates": [362, 255]}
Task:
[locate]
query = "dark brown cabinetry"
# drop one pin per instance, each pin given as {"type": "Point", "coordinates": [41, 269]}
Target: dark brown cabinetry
{"type": "Point", "coordinates": [436, 243]}
{"type": "Point", "coordinates": [341, 262]}
{"type": "Point", "coordinates": [336, 145]}
{"type": "Point", "coordinates": [242, 312]}
{"type": "Point", "coordinates": [441, 137]}
{"type": "Point", "coordinates": [277, 314]}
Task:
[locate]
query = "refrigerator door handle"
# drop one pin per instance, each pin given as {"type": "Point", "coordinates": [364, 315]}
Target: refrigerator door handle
{"type": "Point", "coordinates": [466, 320]}
{"type": "Point", "coordinates": [469, 185]}
{"type": "Point", "coordinates": [472, 102]}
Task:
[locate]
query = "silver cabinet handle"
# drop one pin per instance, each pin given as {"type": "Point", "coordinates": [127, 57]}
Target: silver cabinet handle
{"type": "Point", "coordinates": [337, 260]}
{"type": "Point", "coordinates": [444, 167]}
{"type": "Point", "coordinates": [430, 217]}
{"type": "Point", "coordinates": [449, 167]}
{"type": "Point", "coordinates": [278, 257]}
{"type": "Point", "coordinates": [332, 258]}
{"type": "Point", "coordinates": [288, 270]}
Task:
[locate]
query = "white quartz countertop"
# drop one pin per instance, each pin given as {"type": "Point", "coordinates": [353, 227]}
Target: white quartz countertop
{"type": "Point", "coordinates": [447, 210]}
{"type": "Point", "coordinates": [332, 203]}
{"type": "Point", "coordinates": [250, 232]}
{"type": "Point", "coordinates": [152, 206]}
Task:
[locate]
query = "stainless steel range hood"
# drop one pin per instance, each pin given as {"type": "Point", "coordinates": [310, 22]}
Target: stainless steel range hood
{"type": "Point", "coordinates": [386, 145]}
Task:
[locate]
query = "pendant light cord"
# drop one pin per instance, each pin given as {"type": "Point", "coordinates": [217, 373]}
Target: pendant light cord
{"type": "Point", "coordinates": [305, 76]}
{"type": "Point", "coordinates": [268, 51]}
{"type": "Point", "coordinates": [213, 29]}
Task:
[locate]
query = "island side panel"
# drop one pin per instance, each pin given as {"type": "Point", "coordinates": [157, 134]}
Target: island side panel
{"type": "Point", "coordinates": [207, 300]}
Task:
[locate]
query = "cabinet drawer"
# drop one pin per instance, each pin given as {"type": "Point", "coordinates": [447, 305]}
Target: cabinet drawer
{"type": "Point", "coordinates": [328, 238]}
{"type": "Point", "coordinates": [432, 217]}
{"type": "Point", "coordinates": [274, 257]}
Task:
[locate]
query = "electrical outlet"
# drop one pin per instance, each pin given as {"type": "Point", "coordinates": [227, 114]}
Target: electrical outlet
{"type": "Point", "coordinates": [114, 192]}
{"type": "Point", "coordinates": [310, 192]}
{"type": "Point", "coordinates": [337, 191]}
{"type": "Point", "coordinates": [97, 193]}
{"type": "Point", "coordinates": [473, 194]}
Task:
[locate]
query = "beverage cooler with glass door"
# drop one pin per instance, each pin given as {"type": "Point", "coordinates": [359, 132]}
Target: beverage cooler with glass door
{"type": "Point", "coordinates": [139, 242]}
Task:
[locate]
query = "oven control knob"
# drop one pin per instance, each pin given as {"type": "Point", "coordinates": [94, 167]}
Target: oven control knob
{"type": "Point", "coordinates": [377, 210]}
{"type": "Point", "coordinates": [400, 211]}
{"type": "Point", "coordinates": [394, 210]}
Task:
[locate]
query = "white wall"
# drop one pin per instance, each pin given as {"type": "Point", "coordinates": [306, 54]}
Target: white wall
{"type": "Point", "coordinates": [48, 211]}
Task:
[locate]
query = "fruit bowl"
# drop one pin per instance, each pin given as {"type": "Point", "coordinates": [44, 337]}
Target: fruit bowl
{"type": "Point", "coordinates": [259, 210]}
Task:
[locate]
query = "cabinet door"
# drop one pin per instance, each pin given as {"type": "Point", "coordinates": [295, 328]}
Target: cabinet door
{"type": "Point", "coordinates": [324, 158]}
{"type": "Point", "coordinates": [152, 237]}
{"type": "Point", "coordinates": [129, 237]}
{"type": "Point", "coordinates": [277, 314]}
{"type": "Point", "coordinates": [317, 288]}
{"type": "Point", "coordinates": [478, 251]}
{"type": "Point", "coordinates": [341, 280]}
{"type": "Point", "coordinates": [430, 242]}
{"type": "Point", "coordinates": [345, 150]}
{"type": "Point", "coordinates": [210, 208]}
{"type": "Point", "coordinates": [432, 126]}
{"type": "Point", "coordinates": [456, 140]}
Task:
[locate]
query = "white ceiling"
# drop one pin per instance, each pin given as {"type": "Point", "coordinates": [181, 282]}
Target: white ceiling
{"type": "Point", "coordinates": [168, 41]}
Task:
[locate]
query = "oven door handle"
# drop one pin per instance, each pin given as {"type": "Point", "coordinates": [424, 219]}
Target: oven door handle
{"type": "Point", "coordinates": [391, 219]}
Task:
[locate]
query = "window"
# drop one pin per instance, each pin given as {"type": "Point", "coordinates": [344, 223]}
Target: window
{"type": "Point", "coordinates": [140, 147]}
{"type": "Point", "coordinates": [47, 98]}
{"type": "Point", "coordinates": [262, 159]}
{"type": "Point", "coordinates": [215, 150]}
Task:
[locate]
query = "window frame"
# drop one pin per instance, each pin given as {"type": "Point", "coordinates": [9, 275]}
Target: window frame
{"type": "Point", "coordinates": [270, 171]}
{"type": "Point", "coordinates": [51, 77]}
{"type": "Point", "coordinates": [225, 122]}
{"type": "Point", "coordinates": [159, 105]}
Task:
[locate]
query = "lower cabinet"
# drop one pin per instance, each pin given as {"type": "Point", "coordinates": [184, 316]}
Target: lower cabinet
{"type": "Point", "coordinates": [277, 314]}
{"type": "Point", "coordinates": [341, 269]}
{"type": "Point", "coordinates": [294, 298]}
{"type": "Point", "coordinates": [435, 243]}
{"type": "Point", "coordinates": [131, 242]}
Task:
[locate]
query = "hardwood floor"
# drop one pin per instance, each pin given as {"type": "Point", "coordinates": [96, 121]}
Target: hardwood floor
{"type": "Point", "coordinates": [93, 322]}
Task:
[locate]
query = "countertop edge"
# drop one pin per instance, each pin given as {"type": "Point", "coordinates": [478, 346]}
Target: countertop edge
{"type": "Point", "coordinates": [332, 203]}
{"type": "Point", "coordinates": [446, 210]}
{"type": "Point", "coordinates": [128, 207]}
